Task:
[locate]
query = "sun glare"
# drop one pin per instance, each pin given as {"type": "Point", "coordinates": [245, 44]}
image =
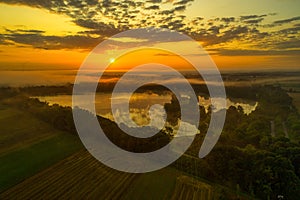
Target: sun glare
{"type": "Point", "coordinates": [111, 60]}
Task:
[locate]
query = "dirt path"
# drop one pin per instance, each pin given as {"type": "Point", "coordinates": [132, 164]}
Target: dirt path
{"type": "Point", "coordinates": [285, 130]}
{"type": "Point", "coordinates": [272, 128]}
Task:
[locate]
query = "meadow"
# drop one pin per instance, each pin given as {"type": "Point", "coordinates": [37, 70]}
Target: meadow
{"type": "Point", "coordinates": [20, 129]}
{"type": "Point", "coordinates": [80, 176]}
{"type": "Point", "coordinates": [29, 145]}
{"type": "Point", "coordinates": [296, 100]}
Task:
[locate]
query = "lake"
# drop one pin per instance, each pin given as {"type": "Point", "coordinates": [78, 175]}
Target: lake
{"type": "Point", "coordinates": [140, 104]}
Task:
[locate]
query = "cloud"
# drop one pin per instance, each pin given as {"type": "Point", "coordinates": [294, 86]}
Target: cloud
{"type": "Point", "coordinates": [183, 2]}
{"type": "Point", "coordinates": [180, 8]}
{"type": "Point", "coordinates": [228, 19]}
{"type": "Point", "coordinates": [25, 31]}
{"type": "Point", "coordinates": [34, 3]}
{"type": "Point", "coordinates": [289, 45]}
{"type": "Point", "coordinates": [3, 41]}
{"type": "Point", "coordinates": [99, 28]}
{"type": "Point", "coordinates": [243, 52]}
{"type": "Point", "coordinates": [153, 7]}
{"type": "Point", "coordinates": [254, 21]}
{"type": "Point", "coordinates": [104, 18]}
{"type": "Point", "coordinates": [228, 35]}
{"type": "Point", "coordinates": [37, 40]}
{"type": "Point", "coordinates": [284, 21]}
{"type": "Point", "coordinates": [247, 17]}
{"type": "Point", "coordinates": [292, 30]}
{"type": "Point", "coordinates": [167, 12]}
{"type": "Point", "coordinates": [154, 1]}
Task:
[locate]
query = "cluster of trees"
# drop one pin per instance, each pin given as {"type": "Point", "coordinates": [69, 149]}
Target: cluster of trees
{"type": "Point", "coordinates": [247, 156]}
{"type": "Point", "coordinates": [262, 173]}
{"type": "Point", "coordinates": [47, 90]}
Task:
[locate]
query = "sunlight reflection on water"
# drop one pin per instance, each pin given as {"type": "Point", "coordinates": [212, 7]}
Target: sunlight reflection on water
{"type": "Point", "coordinates": [140, 104]}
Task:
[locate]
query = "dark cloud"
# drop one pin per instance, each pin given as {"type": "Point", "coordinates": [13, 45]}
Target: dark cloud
{"type": "Point", "coordinates": [167, 12]}
{"type": "Point", "coordinates": [154, 1]}
{"type": "Point", "coordinates": [291, 44]}
{"type": "Point", "coordinates": [25, 31]}
{"type": "Point", "coordinates": [292, 30]}
{"type": "Point", "coordinates": [153, 7]}
{"type": "Point", "coordinates": [227, 19]}
{"type": "Point", "coordinates": [180, 8]}
{"type": "Point", "coordinates": [215, 29]}
{"type": "Point", "coordinates": [284, 21]}
{"type": "Point", "coordinates": [183, 2]}
{"type": "Point", "coordinates": [254, 21]}
{"type": "Point", "coordinates": [97, 27]}
{"type": "Point", "coordinates": [242, 52]}
{"type": "Point", "coordinates": [3, 41]}
{"type": "Point", "coordinates": [87, 23]}
{"type": "Point", "coordinates": [210, 36]}
{"type": "Point", "coordinates": [33, 3]}
{"type": "Point", "coordinates": [235, 32]}
{"type": "Point", "coordinates": [37, 40]}
{"type": "Point", "coordinates": [176, 25]}
{"type": "Point", "coordinates": [246, 17]}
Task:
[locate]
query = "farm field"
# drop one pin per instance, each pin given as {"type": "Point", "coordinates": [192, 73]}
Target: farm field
{"type": "Point", "coordinates": [28, 161]}
{"type": "Point", "coordinates": [188, 188]}
{"type": "Point", "coordinates": [296, 100]}
{"type": "Point", "coordinates": [29, 145]}
{"type": "Point", "coordinates": [20, 129]}
{"type": "Point", "coordinates": [82, 176]}
{"type": "Point", "coordinates": [79, 176]}
{"type": "Point", "coordinates": [154, 185]}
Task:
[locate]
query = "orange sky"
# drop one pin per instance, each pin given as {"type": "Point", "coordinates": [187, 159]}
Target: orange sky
{"type": "Point", "coordinates": [238, 35]}
{"type": "Point", "coordinates": [129, 60]}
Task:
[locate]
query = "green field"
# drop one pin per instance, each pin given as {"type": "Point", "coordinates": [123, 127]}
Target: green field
{"type": "Point", "coordinates": [296, 100]}
{"type": "Point", "coordinates": [23, 163]}
{"type": "Point", "coordinates": [154, 185]}
{"type": "Point", "coordinates": [20, 129]}
{"type": "Point", "coordinates": [29, 145]}
{"type": "Point", "coordinates": [82, 176]}
{"type": "Point", "coordinates": [79, 176]}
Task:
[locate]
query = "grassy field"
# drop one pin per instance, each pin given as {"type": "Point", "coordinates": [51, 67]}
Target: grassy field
{"type": "Point", "coordinates": [188, 188]}
{"type": "Point", "coordinates": [79, 176]}
{"type": "Point", "coordinates": [20, 129]}
{"type": "Point", "coordinates": [25, 162]}
{"type": "Point", "coordinates": [296, 100]}
{"type": "Point", "coordinates": [29, 145]}
{"type": "Point", "coordinates": [154, 185]}
{"type": "Point", "coordinates": [82, 176]}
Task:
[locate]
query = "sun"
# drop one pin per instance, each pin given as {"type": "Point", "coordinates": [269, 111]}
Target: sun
{"type": "Point", "coordinates": [112, 60]}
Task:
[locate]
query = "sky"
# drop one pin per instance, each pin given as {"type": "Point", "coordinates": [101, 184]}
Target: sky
{"type": "Point", "coordinates": [38, 35]}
